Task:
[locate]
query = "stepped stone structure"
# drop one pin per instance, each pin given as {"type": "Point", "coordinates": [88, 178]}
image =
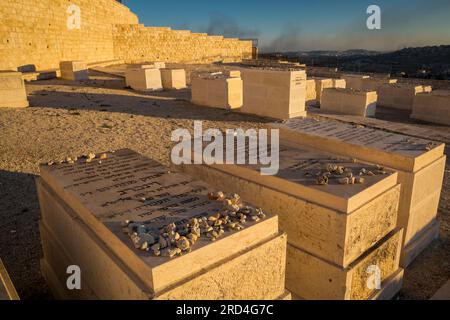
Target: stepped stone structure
{"type": "Point", "coordinates": [84, 205]}
{"type": "Point", "coordinates": [140, 43]}
{"type": "Point", "coordinates": [420, 165]}
{"type": "Point", "coordinates": [432, 107]}
{"type": "Point", "coordinates": [43, 33]}
{"type": "Point", "coordinates": [400, 96]}
{"type": "Point", "coordinates": [335, 231]}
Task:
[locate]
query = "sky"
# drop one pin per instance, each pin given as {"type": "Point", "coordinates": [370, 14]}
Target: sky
{"type": "Point", "coordinates": [298, 25]}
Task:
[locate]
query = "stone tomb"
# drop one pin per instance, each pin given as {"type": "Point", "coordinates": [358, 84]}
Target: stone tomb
{"type": "Point", "coordinates": [7, 290]}
{"type": "Point", "coordinates": [274, 93]}
{"type": "Point", "coordinates": [159, 64]}
{"type": "Point", "coordinates": [74, 70]}
{"type": "Point", "coordinates": [420, 164]}
{"type": "Point", "coordinates": [83, 206]}
{"type": "Point", "coordinates": [141, 66]}
{"type": "Point", "coordinates": [311, 92]}
{"type": "Point", "coordinates": [365, 82]}
{"type": "Point", "coordinates": [144, 79]}
{"type": "Point", "coordinates": [374, 84]}
{"type": "Point", "coordinates": [354, 81]}
{"type": "Point", "coordinates": [432, 107]}
{"type": "Point", "coordinates": [349, 102]}
{"type": "Point", "coordinates": [218, 90]}
{"type": "Point", "coordinates": [400, 96]}
{"type": "Point", "coordinates": [314, 95]}
{"type": "Point", "coordinates": [232, 73]}
{"type": "Point", "coordinates": [152, 65]}
{"type": "Point", "coordinates": [173, 78]}
{"type": "Point", "coordinates": [12, 90]}
{"type": "Point", "coordinates": [339, 83]}
{"type": "Point", "coordinates": [335, 231]}
{"type": "Point", "coordinates": [138, 66]}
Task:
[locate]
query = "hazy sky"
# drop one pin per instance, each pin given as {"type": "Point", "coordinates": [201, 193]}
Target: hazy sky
{"type": "Point", "coordinates": [306, 25]}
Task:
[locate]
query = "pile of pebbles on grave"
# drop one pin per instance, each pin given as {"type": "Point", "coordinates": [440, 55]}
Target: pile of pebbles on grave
{"type": "Point", "coordinates": [173, 240]}
{"type": "Point", "coordinates": [88, 158]}
{"type": "Point", "coordinates": [428, 147]}
{"type": "Point", "coordinates": [345, 176]}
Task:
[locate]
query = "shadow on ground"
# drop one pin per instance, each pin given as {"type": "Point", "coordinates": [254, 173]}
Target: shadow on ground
{"type": "Point", "coordinates": [431, 269]}
{"type": "Point", "coordinates": [168, 104]}
{"type": "Point", "coordinates": [403, 116]}
{"type": "Point", "coordinates": [20, 245]}
{"type": "Point", "coordinates": [99, 81]}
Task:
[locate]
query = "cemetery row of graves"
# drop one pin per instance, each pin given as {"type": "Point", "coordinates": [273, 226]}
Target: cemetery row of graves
{"type": "Point", "coordinates": [350, 208]}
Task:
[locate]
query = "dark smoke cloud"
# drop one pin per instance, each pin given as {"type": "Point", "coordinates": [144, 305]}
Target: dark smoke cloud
{"type": "Point", "coordinates": [220, 24]}
{"type": "Point", "coordinates": [288, 39]}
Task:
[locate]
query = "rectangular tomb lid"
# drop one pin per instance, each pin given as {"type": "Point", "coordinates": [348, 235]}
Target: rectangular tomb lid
{"type": "Point", "coordinates": [105, 194]}
{"type": "Point", "coordinates": [393, 150]}
{"type": "Point", "coordinates": [351, 91]}
{"type": "Point", "coordinates": [297, 176]}
{"type": "Point", "coordinates": [218, 75]}
{"type": "Point", "coordinates": [299, 74]}
{"type": "Point", "coordinates": [360, 76]}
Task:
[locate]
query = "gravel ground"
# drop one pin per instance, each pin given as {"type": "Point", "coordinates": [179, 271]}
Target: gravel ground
{"type": "Point", "coordinates": [67, 118]}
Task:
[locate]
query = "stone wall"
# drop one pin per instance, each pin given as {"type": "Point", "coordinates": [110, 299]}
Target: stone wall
{"type": "Point", "coordinates": [135, 43]}
{"type": "Point", "coordinates": [35, 32]}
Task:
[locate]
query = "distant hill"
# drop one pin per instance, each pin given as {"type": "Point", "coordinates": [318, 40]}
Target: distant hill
{"type": "Point", "coordinates": [346, 53]}
{"type": "Point", "coordinates": [431, 62]}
